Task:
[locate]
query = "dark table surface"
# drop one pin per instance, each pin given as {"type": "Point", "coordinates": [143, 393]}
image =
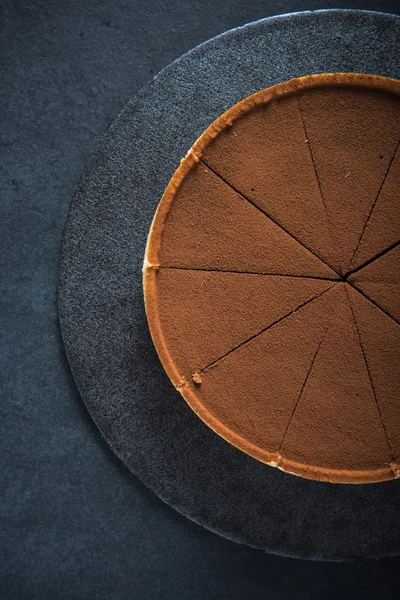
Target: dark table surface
{"type": "Point", "coordinates": [74, 523]}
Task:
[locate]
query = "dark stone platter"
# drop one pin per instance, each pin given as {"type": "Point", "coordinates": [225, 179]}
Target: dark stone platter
{"type": "Point", "coordinates": [104, 328]}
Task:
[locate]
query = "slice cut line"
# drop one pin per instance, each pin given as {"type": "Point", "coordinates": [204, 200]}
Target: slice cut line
{"type": "Point", "coordinates": [380, 282]}
{"type": "Point", "coordinates": [382, 228]}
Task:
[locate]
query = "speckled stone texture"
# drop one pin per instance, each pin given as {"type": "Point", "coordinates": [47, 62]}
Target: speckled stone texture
{"type": "Point", "coordinates": [142, 416]}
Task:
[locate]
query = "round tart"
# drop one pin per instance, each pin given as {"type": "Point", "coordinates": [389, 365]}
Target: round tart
{"type": "Point", "coordinates": [271, 277]}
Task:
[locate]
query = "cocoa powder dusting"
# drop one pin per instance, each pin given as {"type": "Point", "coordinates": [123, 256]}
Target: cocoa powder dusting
{"type": "Point", "coordinates": [277, 296]}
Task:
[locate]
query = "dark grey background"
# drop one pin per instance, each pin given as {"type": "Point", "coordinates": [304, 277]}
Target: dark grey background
{"type": "Point", "coordinates": [74, 522]}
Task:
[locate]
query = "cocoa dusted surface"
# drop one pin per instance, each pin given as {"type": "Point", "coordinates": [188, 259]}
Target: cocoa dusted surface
{"type": "Point", "coordinates": [103, 322]}
{"type": "Point", "coordinates": [227, 336]}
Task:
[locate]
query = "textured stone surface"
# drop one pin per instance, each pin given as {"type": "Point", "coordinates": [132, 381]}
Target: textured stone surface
{"type": "Point", "coordinates": [105, 332]}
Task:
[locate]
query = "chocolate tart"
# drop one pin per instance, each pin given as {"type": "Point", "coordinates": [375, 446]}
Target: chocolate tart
{"type": "Point", "coordinates": [271, 277]}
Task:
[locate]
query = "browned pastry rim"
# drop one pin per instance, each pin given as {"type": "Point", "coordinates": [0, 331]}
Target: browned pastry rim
{"type": "Point", "coordinates": [188, 388]}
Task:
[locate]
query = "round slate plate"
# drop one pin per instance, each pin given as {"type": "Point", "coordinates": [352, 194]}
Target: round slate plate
{"type": "Point", "coordinates": [141, 415]}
